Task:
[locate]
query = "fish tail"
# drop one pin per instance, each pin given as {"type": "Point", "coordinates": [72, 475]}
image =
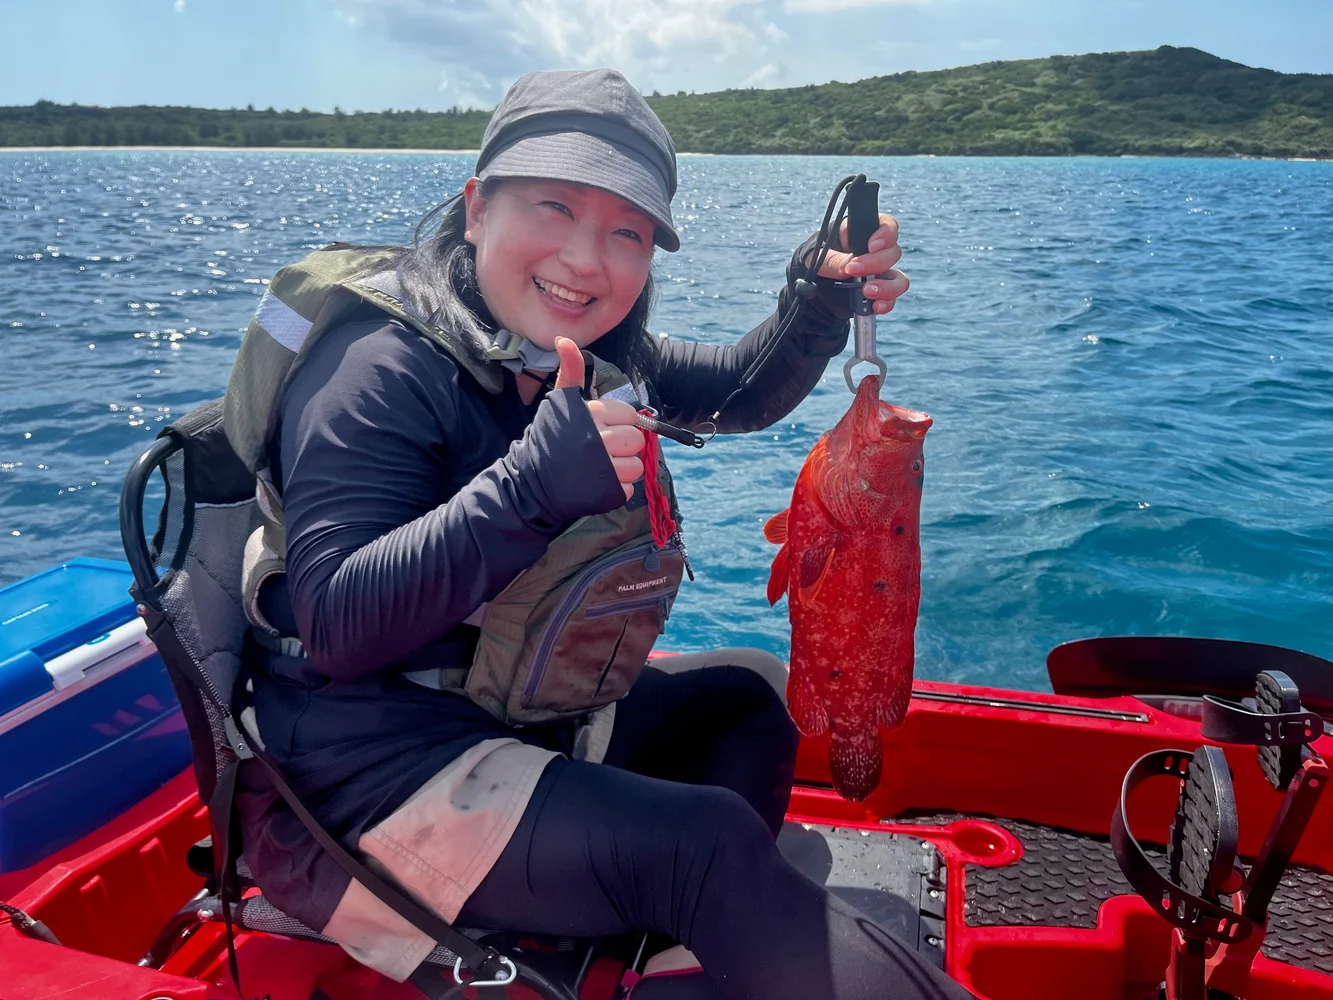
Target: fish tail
{"type": "Point", "coordinates": [856, 760]}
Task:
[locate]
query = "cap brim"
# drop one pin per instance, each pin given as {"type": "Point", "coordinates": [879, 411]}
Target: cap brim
{"type": "Point", "coordinates": [581, 158]}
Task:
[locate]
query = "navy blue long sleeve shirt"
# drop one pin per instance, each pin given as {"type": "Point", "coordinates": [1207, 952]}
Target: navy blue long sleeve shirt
{"type": "Point", "coordinates": [412, 495]}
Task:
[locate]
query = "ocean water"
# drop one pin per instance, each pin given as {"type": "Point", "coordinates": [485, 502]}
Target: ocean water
{"type": "Point", "coordinates": [1129, 363]}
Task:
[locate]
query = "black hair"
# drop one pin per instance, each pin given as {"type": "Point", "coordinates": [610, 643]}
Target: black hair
{"type": "Point", "coordinates": [437, 272]}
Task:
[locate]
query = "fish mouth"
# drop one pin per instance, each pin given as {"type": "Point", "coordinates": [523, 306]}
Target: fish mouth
{"type": "Point", "coordinates": [870, 417]}
{"type": "Point", "coordinates": [902, 423]}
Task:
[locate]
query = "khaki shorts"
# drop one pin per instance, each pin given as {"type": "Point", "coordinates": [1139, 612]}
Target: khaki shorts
{"type": "Point", "coordinates": [443, 841]}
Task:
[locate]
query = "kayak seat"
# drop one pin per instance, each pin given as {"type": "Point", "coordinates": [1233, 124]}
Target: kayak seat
{"type": "Point", "coordinates": [257, 915]}
{"type": "Point", "coordinates": [187, 587]}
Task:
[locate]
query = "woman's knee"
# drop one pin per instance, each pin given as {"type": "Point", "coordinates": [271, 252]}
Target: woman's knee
{"type": "Point", "coordinates": [771, 707]}
{"type": "Point", "coordinates": [759, 662]}
{"type": "Point", "coordinates": [765, 665]}
{"type": "Point", "coordinates": [721, 840]}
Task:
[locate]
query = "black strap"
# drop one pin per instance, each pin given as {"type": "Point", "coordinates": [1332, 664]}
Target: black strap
{"type": "Point", "coordinates": [28, 925]}
{"type": "Point", "coordinates": [485, 962]}
{"type": "Point", "coordinates": [220, 811]}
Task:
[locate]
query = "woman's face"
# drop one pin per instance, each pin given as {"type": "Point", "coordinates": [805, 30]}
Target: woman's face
{"type": "Point", "coordinates": [556, 259]}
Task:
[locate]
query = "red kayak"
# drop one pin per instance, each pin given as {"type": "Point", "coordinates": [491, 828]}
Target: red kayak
{"type": "Point", "coordinates": [1154, 828]}
{"type": "Point", "coordinates": [988, 845]}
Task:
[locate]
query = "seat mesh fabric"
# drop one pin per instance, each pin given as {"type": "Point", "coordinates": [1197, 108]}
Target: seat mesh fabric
{"type": "Point", "coordinates": [203, 599]}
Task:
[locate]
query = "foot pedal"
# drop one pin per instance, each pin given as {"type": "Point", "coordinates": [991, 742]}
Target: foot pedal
{"type": "Point", "coordinates": [1205, 833]}
{"type": "Point", "coordinates": [1276, 694]}
{"type": "Point", "coordinates": [1202, 852]}
{"type": "Point", "coordinates": [1275, 723]}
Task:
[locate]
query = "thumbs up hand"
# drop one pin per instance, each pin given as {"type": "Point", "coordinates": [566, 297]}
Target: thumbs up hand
{"type": "Point", "coordinates": [614, 418]}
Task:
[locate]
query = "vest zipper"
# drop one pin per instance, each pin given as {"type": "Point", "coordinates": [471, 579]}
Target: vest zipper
{"type": "Point", "coordinates": [625, 607]}
{"type": "Point", "coordinates": [678, 540]}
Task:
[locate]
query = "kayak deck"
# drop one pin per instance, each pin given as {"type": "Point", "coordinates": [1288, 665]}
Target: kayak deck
{"type": "Point", "coordinates": [986, 847]}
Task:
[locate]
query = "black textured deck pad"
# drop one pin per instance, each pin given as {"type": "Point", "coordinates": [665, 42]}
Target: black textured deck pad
{"type": "Point", "coordinates": [1064, 877]}
{"type": "Point", "coordinates": [898, 881]}
{"type": "Point", "coordinates": [1300, 920]}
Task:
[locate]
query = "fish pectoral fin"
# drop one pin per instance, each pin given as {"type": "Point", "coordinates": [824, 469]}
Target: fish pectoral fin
{"type": "Point", "coordinates": [805, 706]}
{"type": "Point", "coordinates": [815, 564]}
{"type": "Point", "coordinates": [776, 528]}
{"type": "Point", "coordinates": [779, 574]}
{"type": "Point", "coordinates": [891, 709]}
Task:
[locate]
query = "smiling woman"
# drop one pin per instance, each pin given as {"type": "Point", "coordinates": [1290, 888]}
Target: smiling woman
{"type": "Point", "coordinates": [469, 550]}
{"type": "Point", "coordinates": [558, 259]}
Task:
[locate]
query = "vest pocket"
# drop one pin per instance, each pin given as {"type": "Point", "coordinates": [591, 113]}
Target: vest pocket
{"type": "Point", "coordinates": [629, 607]}
{"type": "Point", "coordinates": [595, 644]}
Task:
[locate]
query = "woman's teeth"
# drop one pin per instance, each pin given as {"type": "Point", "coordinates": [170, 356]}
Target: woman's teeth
{"type": "Point", "coordinates": [561, 292]}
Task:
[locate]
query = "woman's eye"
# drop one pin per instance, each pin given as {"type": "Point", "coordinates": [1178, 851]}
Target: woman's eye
{"type": "Point", "coordinates": [559, 207]}
{"type": "Point", "coordinates": [631, 234]}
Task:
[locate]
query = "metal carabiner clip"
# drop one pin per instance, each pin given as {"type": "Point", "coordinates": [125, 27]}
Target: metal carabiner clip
{"type": "Point", "coordinates": [508, 973]}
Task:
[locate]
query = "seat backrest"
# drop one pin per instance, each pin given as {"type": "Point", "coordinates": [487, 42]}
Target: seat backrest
{"type": "Point", "coordinates": [188, 575]}
{"type": "Point", "coordinates": [188, 585]}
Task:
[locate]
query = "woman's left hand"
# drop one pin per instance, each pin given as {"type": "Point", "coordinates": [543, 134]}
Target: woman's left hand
{"type": "Point", "coordinates": [884, 282]}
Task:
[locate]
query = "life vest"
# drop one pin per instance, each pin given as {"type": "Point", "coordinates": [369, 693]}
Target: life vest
{"type": "Point", "coordinates": [570, 634]}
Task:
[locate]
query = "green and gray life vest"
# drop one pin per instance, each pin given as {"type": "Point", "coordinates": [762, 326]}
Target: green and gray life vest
{"type": "Point", "coordinates": [568, 635]}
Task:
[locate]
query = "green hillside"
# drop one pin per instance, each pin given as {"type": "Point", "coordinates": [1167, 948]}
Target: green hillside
{"type": "Point", "coordinates": [1171, 101]}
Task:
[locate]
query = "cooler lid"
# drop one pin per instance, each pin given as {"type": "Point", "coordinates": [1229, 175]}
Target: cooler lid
{"type": "Point", "coordinates": [52, 613]}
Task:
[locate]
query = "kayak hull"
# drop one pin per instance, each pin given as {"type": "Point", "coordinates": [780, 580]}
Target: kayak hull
{"type": "Point", "coordinates": [1012, 791]}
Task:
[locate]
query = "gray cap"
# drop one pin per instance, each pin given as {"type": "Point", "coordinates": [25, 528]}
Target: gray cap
{"type": "Point", "coordinates": [586, 127]}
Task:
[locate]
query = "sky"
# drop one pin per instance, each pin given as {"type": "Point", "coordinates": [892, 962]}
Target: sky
{"type": "Point", "coordinates": [435, 54]}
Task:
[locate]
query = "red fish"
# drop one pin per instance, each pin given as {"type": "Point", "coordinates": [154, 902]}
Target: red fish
{"type": "Point", "coordinates": [850, 564]}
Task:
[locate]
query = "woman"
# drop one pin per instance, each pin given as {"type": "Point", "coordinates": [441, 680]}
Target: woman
{"type": "Point", "coordinates": [432, 449]}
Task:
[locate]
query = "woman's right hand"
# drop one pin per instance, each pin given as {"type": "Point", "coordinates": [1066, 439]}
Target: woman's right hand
{"type": "Point", "coordinates": [614, 419]}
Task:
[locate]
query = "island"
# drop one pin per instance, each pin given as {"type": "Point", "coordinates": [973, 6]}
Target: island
{"type": "Point", "coordinates": [1164, 102]}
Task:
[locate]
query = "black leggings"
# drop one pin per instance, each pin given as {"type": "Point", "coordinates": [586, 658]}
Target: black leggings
{"type": "Point", "coordinates": [674, 834]}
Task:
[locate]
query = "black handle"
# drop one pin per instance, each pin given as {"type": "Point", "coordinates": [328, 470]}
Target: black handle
{"type": "Point", "coordinates": [862, 214]}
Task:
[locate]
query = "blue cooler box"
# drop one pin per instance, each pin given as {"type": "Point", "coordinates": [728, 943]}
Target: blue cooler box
{"type": "Point", "coordinates": [89, 723]}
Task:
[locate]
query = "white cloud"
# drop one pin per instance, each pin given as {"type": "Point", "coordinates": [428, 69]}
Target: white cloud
{"type": "Point", "coordinates": [466, 88]}
{"type": "Point", "coordinates": [482, 46]}
{"type": "Point", "coordinates": [180, 6]}
{"type": "Point", "coordinates": [979, 44]}
{"type": "Point", "coordinates": [765, 74]}
{"type": "Point", "coordinates": [832, 6]}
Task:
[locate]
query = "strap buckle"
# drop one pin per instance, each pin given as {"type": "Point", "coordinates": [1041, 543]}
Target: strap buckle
{"type": "Point", "coordinates": [235, 739]}
{"type": "Point", "coordinates": [508, 973]}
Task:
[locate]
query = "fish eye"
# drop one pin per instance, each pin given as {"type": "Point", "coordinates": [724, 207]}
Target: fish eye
{"type": "Point", "coordinates": [916, 466]}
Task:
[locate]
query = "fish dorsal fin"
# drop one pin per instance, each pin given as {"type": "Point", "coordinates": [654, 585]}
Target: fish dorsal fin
{"type": "Point", "coordinates": [778, 574]}
{"type": "Point", "coordinates": [815, 564]}
{"type": "Point", "coordinates": [776, 528]}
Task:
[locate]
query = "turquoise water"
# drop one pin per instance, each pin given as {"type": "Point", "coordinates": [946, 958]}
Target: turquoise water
{"type": "Point", "coordinates": [1129, 363]}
